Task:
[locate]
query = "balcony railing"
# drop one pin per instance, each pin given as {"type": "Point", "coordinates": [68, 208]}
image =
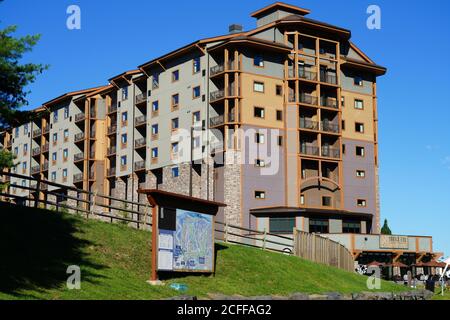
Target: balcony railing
{"type": "Point", "coordinates": [111, 172]}
{"type": "Point", "coordinates": [328, 78]}
{"type": "Point", "coordinates": [308, 99]}
{"type": "Point", "coordinates": [112, 130]}
{"type": "Point", "coordinates": [309, 150]}
{"type": "Point", "coordinates": [92, 113]}
{"type": "Point", "coordinates": [91, 175]}
{"type": "Point", "coordinates": [329, 127]}
{"type": "Point", "coordinates": [77, 177]}
{"type": "Point", "coordinates": [141, 98]}
{"type": "Point", "coordinates": [35, 169]}
{"type": "Point", "coordinates": [78, 157]}
{"type": "Point", "coordinates": [216, 70]}
{"type": "Point", "coordinates": [111, 151]}
{"type": "Point", "coordinates": [309, 124]}
{"type": "Point", "coordinates": [37, 133]}
{"type": "Point", "coordinates": [92, 154]}
{"type": "Point", "coordinates": [80, 117]}
{"type": "Point", "coordinates": [303, 74]}
{"type": "Point", "coordinates": [92, 134]}
{"type": "Point", "coordinates": [139, 143]}
{"type": "Point", "coordinates": [44, 166]}
{"type": "Point", "coordinates": [219, 120]}
{"type": "Point", "coordinates": [79, 136]}
{"type": "Point", "coordinates": [139, 165]}
{"type": "Point", "coordinates": [328, 102]}
{"type": "Point", "coordinates": [220, 94]}
{"type": "Point", "coordinates": [36, 151]}
{"type": "Point", "coordinates": [45, 147]}
{"type": "Point", "coordinates": [330, 152]}
{"type": "Point", "coordinates": [112, 108]}
{"type": "Point", "coordinates": [141, 120]}
{"type": "Point", "coordinates": [46, 129]}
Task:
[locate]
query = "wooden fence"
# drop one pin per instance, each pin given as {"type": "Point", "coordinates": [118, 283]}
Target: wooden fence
{"type": "Point", "coordinates": [318, 249]}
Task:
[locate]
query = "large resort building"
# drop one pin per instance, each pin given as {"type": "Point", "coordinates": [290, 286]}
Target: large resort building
{"type": "Point", "coordinates": [278, 122]}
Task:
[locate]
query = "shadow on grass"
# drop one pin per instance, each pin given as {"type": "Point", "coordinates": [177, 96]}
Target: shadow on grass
{"type": "Point", "coordinates": [36, 247]}
{"type": "Point", "coordinates": [178, 275]}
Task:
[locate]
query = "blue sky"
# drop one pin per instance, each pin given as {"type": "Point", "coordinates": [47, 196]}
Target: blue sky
{"type": "Point", "coordinates": [413, 43]}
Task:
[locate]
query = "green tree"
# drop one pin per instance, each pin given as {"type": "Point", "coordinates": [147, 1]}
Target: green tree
{"type": "Point", "coordinates": [385, 229]}
{"type": "Point", "coordinates": [14, 79]}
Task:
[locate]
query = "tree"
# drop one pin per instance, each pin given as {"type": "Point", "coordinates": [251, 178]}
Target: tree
{"type": "Point", "coordinates": [14, 78]}
{"type": "Point", "coordinates": [386, 229]}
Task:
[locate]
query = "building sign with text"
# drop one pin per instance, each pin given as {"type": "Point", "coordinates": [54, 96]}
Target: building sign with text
{"type": "Point", "coordinates": [393, 242]}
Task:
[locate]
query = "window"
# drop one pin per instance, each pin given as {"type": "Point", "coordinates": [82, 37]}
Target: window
{"type": "Point", "coordinates": [54, 156]}
{"type": "Point", "coordinates": [53, 176]}
{"type": "Point", "coordinates": [258, 112]}
{"type": "Point", "coordinates": [65, 154]}
{"type": "Point", "coordinates": [258, 61]}
{"type": "Point", "coordinates": [55, 116]}
{"type": "Point", "coordinates": [124, 139]}
{"type": "Point", "coordinates": [259, 163]}
{"type": "Point", "coordinates": [361, 203]}
{"type": "Point", "coordinates": [175, 101]}
{"type": "Point", "coordinates": [258, 86]}
{"type": "Point", "coordinates": [196, 117]}
{"type": "Point", "coordinates": [358, 81]}
{"type": "Point", "coordinates": [175, 172]}
{"type": "Point", "coordinates": [64, 173]}
{"type": "Point", "coordinates": [326, 201]}
{"type": "Point", "coordinates": [16, 133]}
{"type": "Point", "coordinates": [24, 183]}
{"type": "Point", "coordinates": [196, 65]}
{"type": "Point", "coordinates": [124, 118]}
{"type": "Point", "coordinates": [259, 138]}
{"type": "Point", "coordinates": [175, 148]}
{"type": "Point", "coordinates": [196, 92]}
{"type": "Point", "coordinates": [24, 166]}
{"type": "Point", "coordinates": [260, 194]}
{"type": "Point", "coordinates": [318, 225]}
{"type": "Point", "coordinates": [351, 226]}
{"type": "Point", "coordinates": [124, 93]}
{"type": "Point", "coordinates": [155, 106]}
{"type": "Point", "coordinates": [155, 129]}
{"type": "Point", "coordinates": [343, 149]}
{"type": "Point", "coordinates": [55, 137]}
{"type": "Point", "coordinates": [25, 149]}
{"type": "Point", "coordinates": [280, 141]}
{"type": "Point", "coordinates": [25, 129]}
{"type": "Point", "coordinates": [16, 151]}
{"type": "Point", "coordinates": [197, 142]}
{"type": "Point", "coordinates": [360, 173]}
{"type": "Point", "coordinates": [123, 160]}
{"type": "Point", "coordinates": [155, 153]}
{"type": "Point", "coordinates": [175, 124]}
{"type": "Point", "coordinates": [66, 134]}
{"type": "Point", "coordinates": [359, 104]}
{"type": "Point", "coordinates": [279, 90]}
{"type": "Point", "coordinates": [342, 101]}
{"type": "Point", "coordinates": [281, 225]}
{"type": "Point", "coordinates": [343, 124]}
{"type": "Point", "coordinates": [302, 199]}
{"type": "Point", "coordinates": [359, 151]}
{"type": "Point", "coordinates": [155, 81]}
{"type": "Point", "coordinates": [359, 127]}
{"type": "Point", "coordinates": [279, 115]}
{"type": "Point", "coordinates": [175, 75]}
{"type": "Point", "coordinates": [66, 112]}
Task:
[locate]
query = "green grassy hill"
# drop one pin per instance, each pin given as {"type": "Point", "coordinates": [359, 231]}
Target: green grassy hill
{"type": "Point", "coordinates": [37, 246]}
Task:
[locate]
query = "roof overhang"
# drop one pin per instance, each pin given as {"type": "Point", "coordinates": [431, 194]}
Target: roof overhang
{"type": "Point", "coordinates": [359, 65]}
{"type": "Point", "coordinates": [69, 95]}
{"type": "Point", "coordinates": [253, 42]}
{"type": "Point", "coordinates": [326, 213]}
{"type": "Point", "coordinates": [280, 6]}
{"type": "Point", "coordinates": [123, 77]}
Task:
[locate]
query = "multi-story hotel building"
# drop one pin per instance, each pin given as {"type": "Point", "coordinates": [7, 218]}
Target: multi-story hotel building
{"type": "Point", "coordinates": [278, 122]}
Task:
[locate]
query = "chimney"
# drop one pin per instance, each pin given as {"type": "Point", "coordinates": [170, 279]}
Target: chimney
{"type": "Point", "coordinates": [235, 28]}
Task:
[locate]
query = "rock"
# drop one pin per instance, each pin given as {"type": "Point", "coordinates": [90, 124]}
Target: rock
{"type": "Point", "coordinates": [318, 297]}
{"type": "Point", "coordinates": [333, 296]}
{"type": "Point", "coordinates": [298, 296]}
{"type": "Point", "coordinates": [183, 298]}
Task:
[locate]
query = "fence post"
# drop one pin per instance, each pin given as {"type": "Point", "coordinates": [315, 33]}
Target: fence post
{"type": "Point", "coordinates": [226, 231]}
{"type": "Point", "coordinates": [264, 239]}
{"type": "Point", "coordinates": [92, 204]}
{"type": "Point", "coordinates": [38, 193]}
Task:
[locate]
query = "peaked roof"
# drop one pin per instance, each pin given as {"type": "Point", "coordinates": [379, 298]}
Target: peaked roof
{"type": "Point", "coordinates": [282, 6]}
{"type": "Point", "coordinates": [69, 95]}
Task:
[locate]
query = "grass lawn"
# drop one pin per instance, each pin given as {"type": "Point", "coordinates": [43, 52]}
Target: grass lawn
{"type": "Point", "coordinates": [38, 245]}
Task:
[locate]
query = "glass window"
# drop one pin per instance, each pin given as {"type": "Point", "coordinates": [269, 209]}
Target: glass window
{"type": "Point", "coordinates": [358, 81]}
{"type": "Point", "coordinates": [16, 150]}
{"type": "Point", "coordinates": [279, 115]}
{"type": "Point", "coordinates": [360, 173]}
{"type": "Point", "coordinates": [124, 116]}
{"type": "Point", "coordinates": [55, 116]}
{"type": "Point", "coordinates": [361, 203]}
{"type": "Point", "coordinates": [326, 201]}
{"type": "Point", "coordinates": [175, 147]}
{"type": "Point", "coordinates": [359, 127]}
{"type": "Point", "coordinates": [260, 163]}
{"type": "Point", "coordinates": [25, 129]}
{"type": "Point", "coordinates": [175, 75]}
{"type": "Point", "coordinates": [24, 183]}
{"type": "Point", "coordinates": [155, 81]}
{"type": "Point", "coordinates": [55, 137]}
{"type": "Point", "coordinates": [351, 226]}
{"type": "Point", "coordinates": [258, 61]}
{"type": "Point", "coordinates": [123, 160]}
{"type": "Point", "coordinates": [197, 142]}
{"type": "Point", "coordinates": [279, 90]}
{"type": "Point", "coordinates": [359, 151]}
{"type": "Point", "coordinates": [155, 153]}
{"type": "Point", "coordinates": [54, 156]}
{"type": "Point", "coordinates": [175, 100]}
{"type": "Point", "coordinates": [359, 104]}
{"type": "Point", "coordinates": [66, 133]}
{"type": "Point", "coordinates": [196, 116]}
{"type": "Point", "coordinates": [155, 129]}
{"type": "Point", "coordinates": [25, 148]}
{"type": "Point", "coordinates": [53, 175]}
{"type": "Point", "coordinates": [175, 124]}
{"type": "Point", "coordinates": [66, 153]}
{"type": "Point", "coordinates": [196, 65]}
{"type": "Point", "coordinates": [258, 86]}
{"type": "Point", "coordinates": [258, 112]}
{"type": "Point", "coordinates": [155, 106]}
{"type": "Point", "coordinates": [318, 226]}
{"type": "Point", "coordinates": [24, 165]}
{"type": "Point", "coordinates": [260, 194]}
{"type": "Point", "coordinates": [175, 172]}
{"type": "Point", "coordinates": [16, 134]}
{"type": "Point", "coordinates": [66, 112]}
{"type": "Point", "coordinates": [259, 138]}
{"type": "Point", "coordinates": [124, 138]}
{"type": "Point", "coordinates": [281, 225]}
{"type": "Point", "coordinates": [124, 93]}
{"type": "Point", "coordinates": [65, 173]}
{"type": "Point", "coordinates": [196, 92]}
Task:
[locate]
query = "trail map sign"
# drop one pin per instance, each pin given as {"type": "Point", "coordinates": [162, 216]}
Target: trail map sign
{"type": "Point", "coordinates": [188, 245]}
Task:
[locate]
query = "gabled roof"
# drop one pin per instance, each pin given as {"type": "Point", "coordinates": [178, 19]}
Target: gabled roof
{"type": "Point", "coordinates": [100, 90]}
{"type": "Point", "coordinates": [254, 41]}
{"type": "Point", "coordinates": [124, 76]}
{"type": "Point", "coordinates": [69, 95]}
{"type": "Point", "coordinates": [282, 6]}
